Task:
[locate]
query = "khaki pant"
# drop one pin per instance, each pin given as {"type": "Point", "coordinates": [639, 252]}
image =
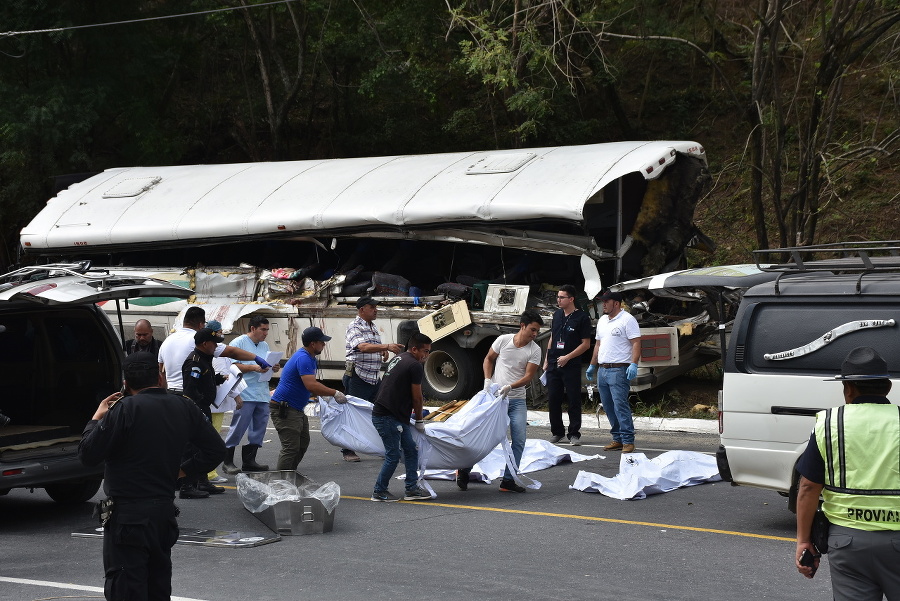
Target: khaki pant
{"type": "Point", "coordinates": [293, 430]}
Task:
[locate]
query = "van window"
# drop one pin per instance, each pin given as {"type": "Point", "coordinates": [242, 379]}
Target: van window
{"type": "Point", "coordinates": [783, 326]}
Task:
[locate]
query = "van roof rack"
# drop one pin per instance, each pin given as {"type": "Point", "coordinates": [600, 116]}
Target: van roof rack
{"type": "Point", "coordinates": [844, 257]}
{"type": "Point", "coordinates": [847, 257]}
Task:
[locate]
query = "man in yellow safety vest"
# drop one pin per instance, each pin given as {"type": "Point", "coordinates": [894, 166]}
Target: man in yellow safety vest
{"type": "Point", "coordinates": [853, 461]}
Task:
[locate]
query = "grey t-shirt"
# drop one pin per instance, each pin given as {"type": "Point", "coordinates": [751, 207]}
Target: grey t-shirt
{"type": "Point", "coordinates": [512, 362]}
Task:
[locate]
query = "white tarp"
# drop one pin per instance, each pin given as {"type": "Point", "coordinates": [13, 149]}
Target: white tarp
{"type": "Point", "coordinates": [538, 455]}
{"type": "Point", "coordinates": [460, 441]}
{"type": "Point", "coordinates": [639, 476]}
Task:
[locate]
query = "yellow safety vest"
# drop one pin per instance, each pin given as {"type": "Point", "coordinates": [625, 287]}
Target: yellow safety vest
{"type": "Point", "coordinates": [861, 448]}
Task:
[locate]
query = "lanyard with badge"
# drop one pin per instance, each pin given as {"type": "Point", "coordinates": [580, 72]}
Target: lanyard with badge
{"type": "Point", "coordinates": [560, 342]}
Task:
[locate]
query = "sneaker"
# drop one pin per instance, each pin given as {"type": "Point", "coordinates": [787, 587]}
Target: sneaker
{"type": "Point", "coordinates": [613, 446]}
{"type": "Point", "coordinates": [219, 480]}
{"type": "Point", "coordinates": [629, 448]}
{"type": "Point", "coordinates": [351, 457]}
{"type": "Point", "coordinates": [416, 494]}
{"type": "Point", "coordinates": [555, 438]}
{"type": "Point", "coordinates": [384, 497]}
{"type": "Point", "coordinates": [575, 440]}
{"type": "Point", "coordinates": [462, 478]}
{"type": "Point", "coordinates": [510, 486]}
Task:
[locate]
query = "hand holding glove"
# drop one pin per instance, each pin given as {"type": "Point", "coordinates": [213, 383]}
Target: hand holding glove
{"type": "Point", "coordinates": [487, 384]}
{"type": "Point", "coordinates": [591, 373]}
{"type": "Point", "coordinates": [504, 390]}
{"type": "Point", "coordinates": [631, 372]}
{"type": "Point", "coordinates": [420, 426]}
{"type": "Point", "coordinates": [340, 397]}
{"type": "Point", "coordinates": [262, 362]}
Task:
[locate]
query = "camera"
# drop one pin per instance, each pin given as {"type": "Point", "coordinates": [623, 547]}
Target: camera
{"type": "Point", "coordinates": [4, 420]}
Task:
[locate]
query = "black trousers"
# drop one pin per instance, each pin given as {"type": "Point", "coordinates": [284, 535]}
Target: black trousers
{"type": "Point", "coordinates": [564, 385]}
{"type": "Point", "coordinates": [137, 550]}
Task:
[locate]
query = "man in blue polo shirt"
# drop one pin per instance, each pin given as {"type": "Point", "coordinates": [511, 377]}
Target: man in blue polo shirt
{"type": "Point", "coordinates": [298, 383]}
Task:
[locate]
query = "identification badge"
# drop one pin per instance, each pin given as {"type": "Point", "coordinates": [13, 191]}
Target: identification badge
{"type": "Point", "coordinates": [560, 344]}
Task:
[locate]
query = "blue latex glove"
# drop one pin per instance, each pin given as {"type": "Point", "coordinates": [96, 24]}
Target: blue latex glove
{"type": "Point", "coordinates": [631, 372]}
{"type": "Point", "coordinates": [591, 373]}
{"type": "Point", "coordinates": [262, 362]}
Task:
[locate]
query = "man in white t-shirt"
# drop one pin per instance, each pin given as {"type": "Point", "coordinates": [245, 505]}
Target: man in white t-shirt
{"type": "Point", "coordinates": [617, 353]}
{"type": "Point", "coordinates": [178, 345]}
{"type": "Point", "coordinates": [512, 363]}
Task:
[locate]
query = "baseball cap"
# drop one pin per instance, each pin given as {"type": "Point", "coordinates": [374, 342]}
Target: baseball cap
{"type": "Point", "coordinates": [207, 335]}
{"type": "Point", "coordinates": [214, 325]}
{"type": "Point", "coordinates": [365, 300]}
{"type": "Point", "coordinates": [140, 361]}
{"type": "Point", "coordinates": [313, 334]}
{"type": "Point", "coordinates": [609, 295]}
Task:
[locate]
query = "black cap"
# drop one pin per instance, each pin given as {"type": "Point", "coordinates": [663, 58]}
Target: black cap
{"type": "Point", "coordinates": [863, 363]}
{"type": "Point", "coordinates": [141, 361]}
{"type": "Point", "coordinates": [207, 335]}
{"type": "Point", "coordinates": [610, 295]}
{"type": "Point", "coordinates": [365, 300]}
{"type": "Point", "coordinates": [313, 335]}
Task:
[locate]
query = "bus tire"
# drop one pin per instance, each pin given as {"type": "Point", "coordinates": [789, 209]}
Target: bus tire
{"type": "Point", "coordinates": [449, 373]}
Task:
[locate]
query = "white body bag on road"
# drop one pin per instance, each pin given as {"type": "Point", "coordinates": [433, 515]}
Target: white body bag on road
{"type": "Point", "coordinates": [462, 441]}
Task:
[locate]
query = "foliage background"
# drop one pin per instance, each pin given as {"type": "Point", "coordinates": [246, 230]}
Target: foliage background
{"type": "Point", "coordinates": [796, 103]}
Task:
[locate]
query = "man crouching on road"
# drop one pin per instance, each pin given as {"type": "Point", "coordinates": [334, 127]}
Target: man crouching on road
{"type": "Point", "coordinates": [399, 395]}
{"type": "Point", "coordinates": [126, 432]}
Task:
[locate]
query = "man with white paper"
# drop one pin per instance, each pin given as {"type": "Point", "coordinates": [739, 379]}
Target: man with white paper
{"type": "Point", "coordinates": [253, 416]}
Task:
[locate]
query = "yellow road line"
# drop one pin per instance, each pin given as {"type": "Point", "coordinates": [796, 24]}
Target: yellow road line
{"type": "Point", "coordinates": [589, 518]}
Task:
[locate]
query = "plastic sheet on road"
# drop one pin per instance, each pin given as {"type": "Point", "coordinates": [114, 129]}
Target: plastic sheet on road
{"type": "Point", "coordinates": [639, 477]}
{"type": "Point", "coordinates": [538, 455]}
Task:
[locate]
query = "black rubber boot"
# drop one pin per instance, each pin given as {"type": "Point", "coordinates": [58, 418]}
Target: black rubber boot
{"type": "Point", "coordinates": [228, 466]}
{"type": "Point", "coordinates": [248, 459]}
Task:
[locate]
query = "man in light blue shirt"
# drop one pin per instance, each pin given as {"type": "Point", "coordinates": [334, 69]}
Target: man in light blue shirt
{"type": "Point", "coordinates": [253, 416]}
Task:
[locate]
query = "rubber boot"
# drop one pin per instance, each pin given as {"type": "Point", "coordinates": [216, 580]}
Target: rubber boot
{"type": "Point", "coordinates": [228, 466]}
{"type": "Point", "coordinates": [248, 457]}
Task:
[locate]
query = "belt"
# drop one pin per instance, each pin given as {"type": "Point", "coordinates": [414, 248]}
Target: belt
{"type": "Point", "coordinates": [614, 365]}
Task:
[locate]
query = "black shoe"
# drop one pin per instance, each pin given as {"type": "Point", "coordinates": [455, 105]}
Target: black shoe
{"type": "Point", "coordinates": [462, 478]}
{"type": "Point", "coordinates": [191, 492]}
{"type": "Point", "coordinates": [510, 486]}
{"type": "Point", "coordinates": [210, 488]}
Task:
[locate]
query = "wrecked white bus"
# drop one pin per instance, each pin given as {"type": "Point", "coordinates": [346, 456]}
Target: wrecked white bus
{"type": "Point", "coordinates": [477, 235]}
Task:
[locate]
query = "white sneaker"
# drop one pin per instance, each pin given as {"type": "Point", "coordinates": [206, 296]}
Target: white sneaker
{"type": "Point", "coordinates": [219, 480]}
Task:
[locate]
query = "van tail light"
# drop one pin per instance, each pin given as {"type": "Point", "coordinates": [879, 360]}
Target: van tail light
{"type": "Point", "coordinates": [15, 472]}
{"type": "Point", "coordinates": [721, 405]}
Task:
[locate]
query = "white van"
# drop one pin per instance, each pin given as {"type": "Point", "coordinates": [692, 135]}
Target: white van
{"type": "Point", "coordinates": [788, 336]}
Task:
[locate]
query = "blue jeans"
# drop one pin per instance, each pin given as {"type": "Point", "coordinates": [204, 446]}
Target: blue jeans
{"type": "Point", "coordinates": [518, 420]}
{"type": "Point", "coordinates": [613, 389]}
{"type": "Point", "coordinates": [356, 386]}
{"type": "Point", "coordinates": [396, 435]}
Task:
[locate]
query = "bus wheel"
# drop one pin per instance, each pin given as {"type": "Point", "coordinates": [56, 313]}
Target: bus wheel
{"type": "Point", "coordinates": [449, 373]}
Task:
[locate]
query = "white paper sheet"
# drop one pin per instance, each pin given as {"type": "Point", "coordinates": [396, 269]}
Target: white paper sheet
{"type": "Point", "coordinates": [231, 387]}
{"type": "Point", "coordinates": [639, 476]}
{"type": "Point", "coordinates": [273, 358]}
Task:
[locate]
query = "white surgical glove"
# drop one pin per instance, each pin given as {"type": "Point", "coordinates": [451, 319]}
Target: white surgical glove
{"type": "Point", "coordinates": [420, 426]}
{"type": "Point", "coordinates": [487, 384]}
{"type": "Point", "coordinates": [504, 391]}
{"type": "Point", "coordinates": [339, 397]}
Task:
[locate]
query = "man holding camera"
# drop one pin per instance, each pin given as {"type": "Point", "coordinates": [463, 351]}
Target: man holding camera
{"type": "Point", "coordinates": [139, 526]}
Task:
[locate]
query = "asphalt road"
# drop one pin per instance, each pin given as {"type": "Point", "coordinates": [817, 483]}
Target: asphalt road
{"type": "Point", "coordinates": [712, 541]}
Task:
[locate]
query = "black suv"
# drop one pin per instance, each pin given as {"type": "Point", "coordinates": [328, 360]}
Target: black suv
{"type": "Point", "coordinates": [59, 357]}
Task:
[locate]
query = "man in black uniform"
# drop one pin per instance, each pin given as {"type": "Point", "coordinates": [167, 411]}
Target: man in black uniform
{"type": "Point", "coordinates": [145, 433]}
{"type": "Point", "coordinates": [200, 382]}
{"type": "Point", "coordinates": [570, 337]}
{"type": "Point", "coordinates": [399, 395]}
